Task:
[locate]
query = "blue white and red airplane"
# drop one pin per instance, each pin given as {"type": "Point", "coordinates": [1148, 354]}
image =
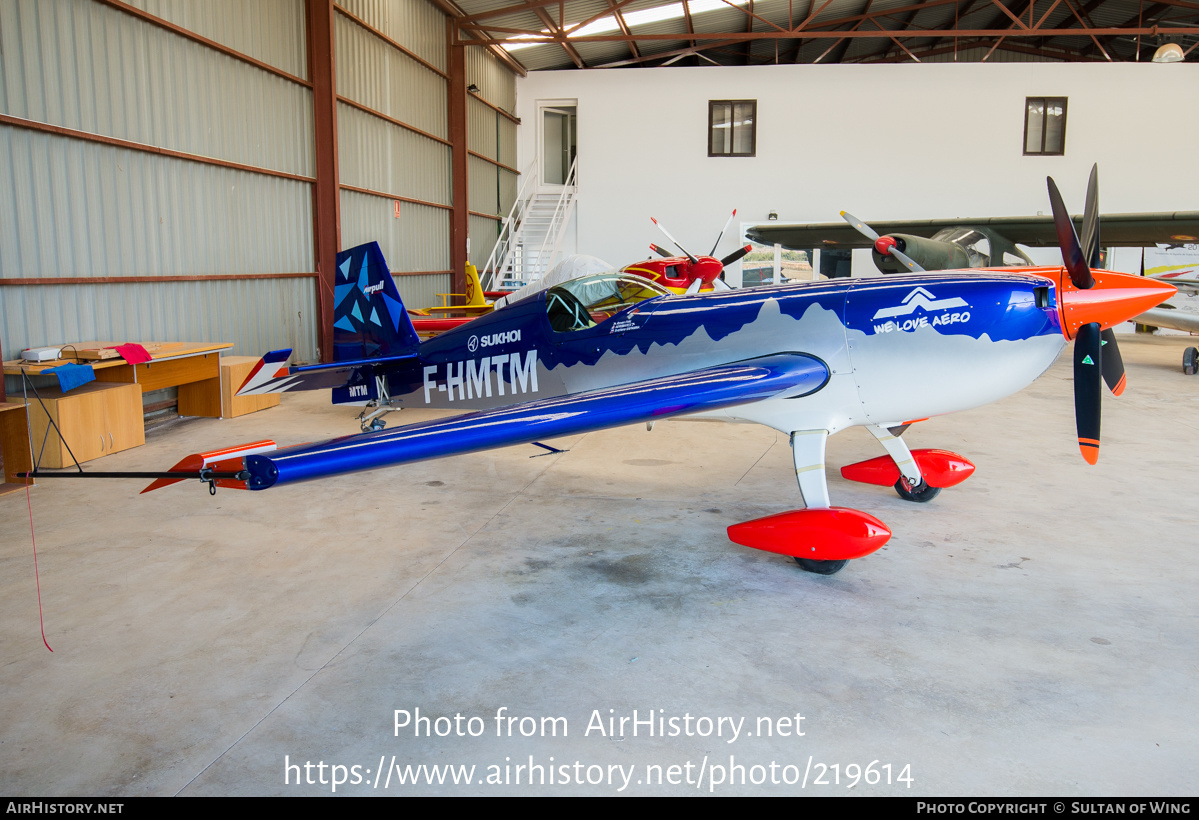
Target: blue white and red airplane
{"type": "Point", "coordinates": [808, 360]}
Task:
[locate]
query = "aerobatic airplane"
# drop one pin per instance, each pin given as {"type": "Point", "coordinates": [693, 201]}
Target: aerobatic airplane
{"type": "Point", "coordinates": [687, 273]}
{"type": "Point", "coordinates": [611, 349]}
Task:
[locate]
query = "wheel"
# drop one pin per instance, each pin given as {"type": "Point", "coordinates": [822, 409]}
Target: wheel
{"type": "Point", "coordinates": [921, 493]}
{"type": "Point", "coordinates": [1190, 361]}
{"type": "Point", "coordinates": [376, 425]}
{"type": "Point", "coordinates": [820, 567]}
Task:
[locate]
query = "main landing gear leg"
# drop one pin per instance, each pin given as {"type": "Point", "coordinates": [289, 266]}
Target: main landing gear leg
{"type": "Point", "coordinates": [807, 449]}
{"type": "Point", "coordinates": [371, 417]}
{"type": "Point", "coordinates": [917, 475]}
{"type": "Point", "coordinates": [821, 538]}
{"type": "Point", "coordinates": [911, 485]}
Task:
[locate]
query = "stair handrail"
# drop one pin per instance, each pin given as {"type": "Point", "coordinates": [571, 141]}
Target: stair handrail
{"type": "Point", "coordinates": [557, 224]}
{"type": "Point", "coordinates": [504, 249]}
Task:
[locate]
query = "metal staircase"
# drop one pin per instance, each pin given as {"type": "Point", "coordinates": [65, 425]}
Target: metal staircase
{"type": "Point", "coordinates": [531, 235]}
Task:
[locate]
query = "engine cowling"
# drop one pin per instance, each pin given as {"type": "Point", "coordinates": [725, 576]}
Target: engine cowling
{"type": "Point", "coordinates": [930, 254]}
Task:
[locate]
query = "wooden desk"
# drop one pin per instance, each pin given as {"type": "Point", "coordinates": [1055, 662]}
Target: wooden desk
{"type": "Point", "coordinates": [193, 367]}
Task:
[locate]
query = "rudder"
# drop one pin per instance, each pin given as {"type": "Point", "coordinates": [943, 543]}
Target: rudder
{"type": "Point", "coordinates": [369, 320]}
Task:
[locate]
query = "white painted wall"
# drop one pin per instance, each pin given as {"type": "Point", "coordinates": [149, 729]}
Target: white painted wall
{"type": "Point", "coordinates": [883, 142]}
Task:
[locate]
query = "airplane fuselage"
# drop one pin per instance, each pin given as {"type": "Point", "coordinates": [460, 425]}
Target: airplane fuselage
{"type": "Point", "coordinates": [899, 348]}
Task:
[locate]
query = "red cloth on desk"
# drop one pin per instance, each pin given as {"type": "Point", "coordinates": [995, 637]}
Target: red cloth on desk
{"type": "Point", "coordinates": [133, 353]}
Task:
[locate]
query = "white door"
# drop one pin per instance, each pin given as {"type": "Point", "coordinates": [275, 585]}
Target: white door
{"type": "Point", "coordinates": [559, 125]}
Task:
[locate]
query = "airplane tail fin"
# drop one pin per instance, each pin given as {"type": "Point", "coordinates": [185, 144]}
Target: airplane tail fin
{"type": "Point", "coordinates": [369, 320]}
{"type": "Point", "coordinates": [371, 329]}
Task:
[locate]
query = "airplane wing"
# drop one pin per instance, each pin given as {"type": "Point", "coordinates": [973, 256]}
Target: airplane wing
{"type": "Point", "coordinates": [786, 375]}
{"type": "Point", "coordinates": [1174, 319]}
{"type": "Point", "coordinates": [1119, 230]}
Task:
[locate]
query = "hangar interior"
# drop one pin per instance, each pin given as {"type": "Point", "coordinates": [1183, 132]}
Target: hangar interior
{"type": "Point", "coordinates": [188, 170]}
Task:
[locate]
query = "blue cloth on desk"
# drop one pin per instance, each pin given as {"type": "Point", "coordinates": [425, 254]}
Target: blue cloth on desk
{"type": "Point", "coordinates": [71, 376]}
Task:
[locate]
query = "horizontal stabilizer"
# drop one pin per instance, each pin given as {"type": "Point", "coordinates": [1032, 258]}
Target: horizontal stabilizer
{"type": "Point", "coordinates": [271, 369]}
{"type": "Point", "coordinates": [713, 388]}
{"type": "Point", "coordinates": [272, 375]}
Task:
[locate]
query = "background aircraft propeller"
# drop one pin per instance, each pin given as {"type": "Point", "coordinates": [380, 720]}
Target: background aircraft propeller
{"type": "Point", "coordinates": [735, 255]}
{"type": "Point", "coordinates": [686, 252]}
{"type": "Point", "coordinates": [885, 245]}
{"type": "Point", "coordinates": [724, 263]}
{"type": "Point", "coordinates": [718, 284]}
{"type": "Point", "coordinates": [720, 235]}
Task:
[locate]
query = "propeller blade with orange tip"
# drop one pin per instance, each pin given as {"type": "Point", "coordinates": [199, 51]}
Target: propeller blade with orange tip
{"type": "Point", "coordinates": [686, 252]}
{"type": "Point", "coordinates": [720, 235]}
{"type": "Point", "coordinates": [1088, 367]}
{"type": "Point", "coordinates": [1113, 363]}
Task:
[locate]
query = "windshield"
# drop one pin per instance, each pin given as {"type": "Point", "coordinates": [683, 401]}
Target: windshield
{"type": "Point", "coordinates": [590, 300]}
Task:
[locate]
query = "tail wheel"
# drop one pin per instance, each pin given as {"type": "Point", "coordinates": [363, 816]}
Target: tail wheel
{"type": "Point", "coordinates": [820, 567]}
{"type": "Point", "coordinates": [920, 493]}
{"type": "Point", "coordinates": [1190, 361]}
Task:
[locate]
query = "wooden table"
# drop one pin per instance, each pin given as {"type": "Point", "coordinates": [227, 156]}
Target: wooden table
{"type": "Point", "coordinates": [193, 367]}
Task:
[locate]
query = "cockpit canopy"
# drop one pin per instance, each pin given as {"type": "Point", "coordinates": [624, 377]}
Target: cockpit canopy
{"type": "Point", "coordinates": [591, 300]}
{"type": "Point", "coordinates": [983, 247]}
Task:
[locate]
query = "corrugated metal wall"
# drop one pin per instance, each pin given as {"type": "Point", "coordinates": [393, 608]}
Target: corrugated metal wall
{"type": "Point", "coordinates": [490, 134]}
{"type": "Point", "coordinates": [374, 73]}
{"type": "Point", "coordinates": [483, 234]}
{"type": "Point", "coordinates": [373, 153]}
{"type": "Point", "coordinates": [81, 209]}
{"type": "Point", "coordinates": [419, 240]}
{"type": "Point", "coordinates": [164, 311]}
{"type": "Point", "coordinates": [73, 207]}
{"type": "Point", "coordinates": [272, 31]}
{"type": "Point", "coordinates": [496, 83]}
{"type": "Point", "coordinates": [415, 24]}
{"type": "Point", "coordinates": [393, 161]}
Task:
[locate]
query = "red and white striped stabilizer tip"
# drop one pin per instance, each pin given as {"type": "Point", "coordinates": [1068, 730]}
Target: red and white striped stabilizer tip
{"type": "Point", "coordinates": [268, 376]}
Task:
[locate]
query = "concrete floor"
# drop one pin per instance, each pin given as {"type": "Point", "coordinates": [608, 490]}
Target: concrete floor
{"type": "Point", "coordinates": [1030, 632]}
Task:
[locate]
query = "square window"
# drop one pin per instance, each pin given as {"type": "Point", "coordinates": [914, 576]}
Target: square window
{"type": "Point", "coordinates": [732, 128]}
{"type": "Point", "coordinates": [1045, 126]}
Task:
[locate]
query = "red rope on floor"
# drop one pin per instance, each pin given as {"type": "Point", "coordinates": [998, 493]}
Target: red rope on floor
{"type": "Point", "coordinates": [37, 580]}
